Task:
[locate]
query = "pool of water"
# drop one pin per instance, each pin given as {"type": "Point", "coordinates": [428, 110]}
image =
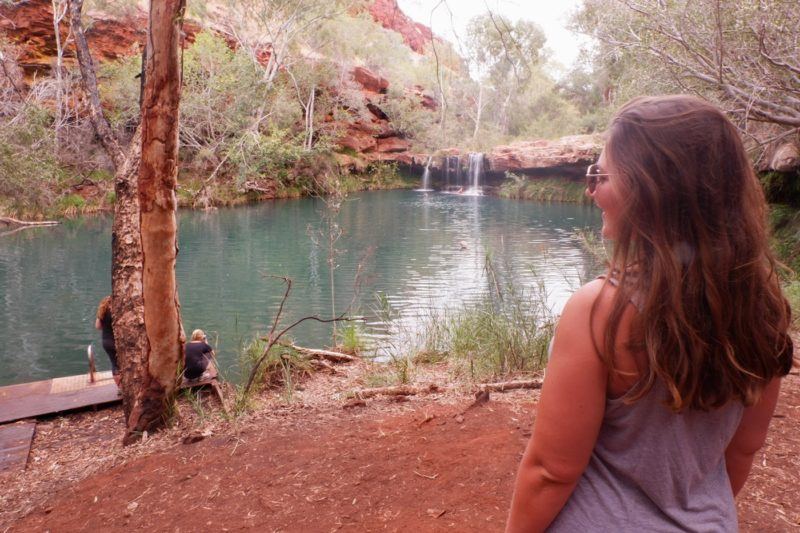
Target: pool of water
{"type": "Point", "coordinates": [422, 250]}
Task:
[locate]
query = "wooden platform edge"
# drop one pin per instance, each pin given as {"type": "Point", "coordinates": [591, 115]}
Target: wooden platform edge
{"type": "Point", "coordinates": [15, 445]}
{"type": "Point", "coordinates": [53, 396]}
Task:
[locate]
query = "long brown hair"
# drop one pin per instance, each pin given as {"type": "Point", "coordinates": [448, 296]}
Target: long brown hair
{"type": "Point", "coordinates": [693, 245]}
{"type": "Point", "coordinates": [103, 307]}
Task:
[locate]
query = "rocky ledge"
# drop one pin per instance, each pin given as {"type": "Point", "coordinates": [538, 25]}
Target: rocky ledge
{"type": "Point", "coordinates": [576, 151]}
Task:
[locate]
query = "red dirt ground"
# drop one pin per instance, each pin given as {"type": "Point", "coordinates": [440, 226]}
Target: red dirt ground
{"type": "Point", "coordinates": [424, 467]}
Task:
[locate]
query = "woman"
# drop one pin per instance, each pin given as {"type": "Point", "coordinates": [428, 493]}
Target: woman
{"type": "Point", "coordinates": [664, 373]}
{"type": "Point", "coordinates": [197, 354]}
{"type": "Point", "coordinates": [103, 322]}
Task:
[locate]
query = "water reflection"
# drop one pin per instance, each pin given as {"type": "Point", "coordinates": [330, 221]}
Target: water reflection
{"type": "Point", "coordinates": [408, 244]}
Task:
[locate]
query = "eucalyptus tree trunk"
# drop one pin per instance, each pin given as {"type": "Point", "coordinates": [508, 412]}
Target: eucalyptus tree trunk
{"type": "Point", "coordinates": [309, 108]}
{"type": "Point", "coordinates": [127, 301]}
{"type": "Point", "coordinates": [478, 113]}
{"type": "Point", "coordinates": [157, 374]}
{"type": "Point", "coordinates": [59, 11]}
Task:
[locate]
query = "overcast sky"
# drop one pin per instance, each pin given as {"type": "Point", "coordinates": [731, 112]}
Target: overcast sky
{"type": "Point", "coordinates": [550, 15]}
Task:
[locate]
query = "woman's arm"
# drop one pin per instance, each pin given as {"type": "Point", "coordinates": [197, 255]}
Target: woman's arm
{"type": "Point", "coordinates": [568, 418]}
{"type": "Point", "coordinates": [750, 436]}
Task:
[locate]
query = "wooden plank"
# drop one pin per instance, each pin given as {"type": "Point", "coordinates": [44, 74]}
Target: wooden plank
{"type": "Point", "coordinates": [209, 377]}
{"type": "Point", "coordinates": [15, 445]}
{"type": "Point", "coordinates": [28, 400]}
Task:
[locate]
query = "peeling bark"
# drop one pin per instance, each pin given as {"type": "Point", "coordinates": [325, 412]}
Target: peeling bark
{"type": "Point", "coordinates": [158, 172]}
{"type": "Point", "coordinates": [126, 276]}
{"type": "Point", "coordinates": [127, 304]}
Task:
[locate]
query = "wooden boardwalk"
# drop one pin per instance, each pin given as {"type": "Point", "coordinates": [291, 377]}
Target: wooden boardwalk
{"type": "Point", "coordinates": [15, 445]}
{"type": "Point", "coordinates": [28, 400]}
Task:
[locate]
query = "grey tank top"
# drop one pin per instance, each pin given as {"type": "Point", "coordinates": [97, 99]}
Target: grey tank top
{"type": "Point", "coordinates": [655, 470]}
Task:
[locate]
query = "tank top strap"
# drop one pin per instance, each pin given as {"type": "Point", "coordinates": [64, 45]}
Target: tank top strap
{"type": "Point", "coordinates": [636, 298]}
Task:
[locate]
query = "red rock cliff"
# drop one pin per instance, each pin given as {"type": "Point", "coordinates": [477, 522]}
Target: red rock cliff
{"type": "Point", "coordinates": [29, 25]}
{"type": "Point", "coordinates": [388, 14]}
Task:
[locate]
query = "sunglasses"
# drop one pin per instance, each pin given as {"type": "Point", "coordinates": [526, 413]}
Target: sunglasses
{"type": "Point", "coordinates": [593, 173]}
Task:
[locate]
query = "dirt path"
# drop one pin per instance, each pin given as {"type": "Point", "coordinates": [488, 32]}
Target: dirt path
{"type": "Point", "coordinates": [423, 465]}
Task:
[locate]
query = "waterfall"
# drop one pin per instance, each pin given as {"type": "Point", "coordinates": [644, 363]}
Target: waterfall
{"type": "Point", "coordinates": [426, 177]}
{"type": "Point", "coordinates": [452, 169]}
{"type": "Point", "coordinates": [475, 172]}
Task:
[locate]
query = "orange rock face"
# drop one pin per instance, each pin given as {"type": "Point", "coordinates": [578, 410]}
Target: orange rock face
{"type": "Point", "coordinates": [29, 25]}
{"type": "Point", "coordinates": [576, 150]}
{"type": "Point", "coordinates": [417, 36]}
{"type": "Point", "coordinates": [370, 81]}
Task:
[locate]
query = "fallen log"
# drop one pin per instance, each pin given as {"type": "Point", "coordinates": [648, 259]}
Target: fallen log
{"type": "Point", "coordinates": [335, 357]}
{"type": "Point", "coordinates": [410, 390]}
{"type": "Point", "coordinates": [397, 390]}
{"type": "Point", "coordinates": [322, 364]}
{"type": "Point", "coordinates": [511, 385]}
{"type": "Point", "coordinates": [251, 186]}
{"type": "Point", "coordinates": [14, 222]}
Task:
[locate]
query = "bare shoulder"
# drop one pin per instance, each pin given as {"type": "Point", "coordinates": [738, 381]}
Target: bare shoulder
{"type": "Point", "coordinates": [597, 295]}
{"type": "Point", "coordinates": [587, 312]}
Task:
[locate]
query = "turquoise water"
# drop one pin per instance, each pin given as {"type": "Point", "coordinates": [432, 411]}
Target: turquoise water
{"type": "Point", "coordinates": [422, 250]}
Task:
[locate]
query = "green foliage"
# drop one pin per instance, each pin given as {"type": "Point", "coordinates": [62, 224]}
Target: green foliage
{"type": "Point", "coordinates": [281, 368]}
{"type": "Point", "coordinates": [544, 189]}
{"type": "Point", "coordinates": [265, 155]}
{"type": "Point", "coordinates": [195, 399]}
{"type": "Point", "coordinates": [500, 49]}
{"type": "Point", "coordinates": [72, 201]}
{"type": "Point", "coordinates": [350, 338]}
{"type": "Point", "coordinates": [509, 331]}
{"type": "Point", "coordinates": [358, 39]}
{"type": "Point", "coordinates": [29, 172]}
{"type": "Point", "coordinates": [506, 331]}
{"type": "Point", "coordinates": [782, 187]}
{"type": "Point", "coordinates": [721, 50]}
{"type": "Point", "coordinates": [791, 289]}
{"type": "Point", "coordinates": [119, 87]}
{"type": "Point", "coordinates": [409, 117]}
{"type": "Point", "coordinates": [785, 223]}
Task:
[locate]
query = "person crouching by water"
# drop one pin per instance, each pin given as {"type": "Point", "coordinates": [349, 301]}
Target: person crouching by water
{"type": "Point", "coordinates": [103, 322]}
{"type": "Point", "coordinates": [664, 373]}
{"type": "Point", "coordinates": [197, 354]}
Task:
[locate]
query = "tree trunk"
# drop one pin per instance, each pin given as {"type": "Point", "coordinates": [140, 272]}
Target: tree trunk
{"type": "Point", "coordinates": [126, 277]}
{"type": "Point", "coordinates": [58, 16]}
{"type": "Point", "coordinates": [504, 113]}
{"type": "Point", "coordinates": [310, 118]}
{"type": "Point", "coordinates": [86, 65]}
{"type": "Point", "coordinates": [158, 172]}
{"type": "Point", "coordinates": [478, 113]}
{"type": "Point", "coordinates": [126, 245]}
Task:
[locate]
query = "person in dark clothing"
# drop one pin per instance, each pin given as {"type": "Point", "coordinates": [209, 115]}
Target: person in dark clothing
{"type": "Point", "coordinates": [197, 354]}
{"type": "Point", "coordinates": [103, 322]}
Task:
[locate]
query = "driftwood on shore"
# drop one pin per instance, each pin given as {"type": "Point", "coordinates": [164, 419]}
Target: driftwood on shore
{"type": "Point", "coordinates": [15, 222]}
{"type": "Point", "coordinates": [334, 357]}
{"type": "Point", "coordinates": [409, 390]}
